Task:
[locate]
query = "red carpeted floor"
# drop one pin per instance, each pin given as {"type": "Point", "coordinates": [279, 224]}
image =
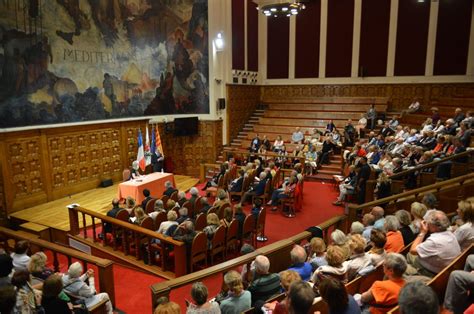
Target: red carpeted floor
{"type": "Point", "coordinates": [132, 288]}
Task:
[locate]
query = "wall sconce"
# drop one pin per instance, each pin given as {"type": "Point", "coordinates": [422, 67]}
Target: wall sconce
{"type": "Point", "coordinates": [219, 42]}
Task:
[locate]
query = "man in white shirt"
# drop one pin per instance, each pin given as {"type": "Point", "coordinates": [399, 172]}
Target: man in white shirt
{"type": "Point", "coordinates": [429, 257]}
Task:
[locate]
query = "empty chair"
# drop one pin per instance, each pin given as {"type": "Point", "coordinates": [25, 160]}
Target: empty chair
{"type": "Point", "coordinates": [201, 222]}
{"type": "Point", "coordinates": [248, 229]}
{"type": "Point", "coordinates": [150, 206]}
{"type": "Point", "coordinates": [231, 237]}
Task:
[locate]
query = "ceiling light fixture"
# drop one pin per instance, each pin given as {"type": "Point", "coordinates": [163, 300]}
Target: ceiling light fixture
{"type": "Point", "coordinates": [278, 8]}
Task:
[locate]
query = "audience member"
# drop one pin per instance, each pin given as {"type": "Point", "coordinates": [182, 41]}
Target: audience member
{"type": "Point", "coordinates": [167, 307]}
{"type": "Point", "coordinates": [317, 256]}
{"type": "Point", "coordinates": [169, 189]}
{"type": "Point", "coordinates": [139, 216]}
{"type": "Point", "coordinates": [287, 277]}
{"type": "Point", "coordinates": [148, 198]}
{"type": "Point", "coordinates": [107, 227]}
{"type": "Point", "coordinates": [357, 228]}
{"type": "Point", "coordinates": [404, 219]}
{"type": "Point", "coordinates": [50, 301]}
{"type": "Point", "coordinates": [194, 195]}
{"type": "Point", "coordinates": [394, 236]}
{"type": "Point", "coordinates": [298, 262]}
{"type": "Point", "coordinates": [459, 289]}
{"type": "Point", "coordinates": [378, 213]}
{"type": "Point", "coordinates": [37, 266]}
{"type": "Point", "coordinates": [339, 239]}
{"type": "Point", "coordinates": [264, 284]}
{"type": "Point", "coordinates": [297, 137]}
{"type": "Point", "coordinates": [171, 217]}
{"type": "Point", "coordinates": [465, 233]}
{"type": "Point", "coordinates": [7, 299]}
{"type": "Point", "coordinates": [27, 298]}
{"type": "Point", "coordinates": [300, 297]}
{"type": "Point", "coordinates": [20, 257]}
{"type": "Point", "coordinates": [383, 295]}
{"type": "Point", "coordinates": [418, 210]}
{"type": "Point", "coordinates": [430, 256]}
{"type": "Point", "coordinates": [158, 208]}
{"type": "Point", "coordinates": [200, 305]}
{"type": "Point", "coordinates": [75, 284]}
{"type": "Point", "coordinates": [377, 252]}
{"type": "Point", "coordinates": [334, 293]}
{"type": "Point", "coordinates": [130, 204]}
{"type": "Point", "coordinates": [238, 300]}
{"type": "Point", "coordinates": [362, 177]}
{"type": "Point", "coordinates": [416, 297]}
{"type": "Point", "coordinates": [368, 221]}
{"type": "Point", "coordinates": [6, 267]}
{"type": "Point", "coordinates": [336, 268]}
{"type": "Point", "coordinates": [358, 260]}
{"type": "Point", "coordinates": [212, 224]}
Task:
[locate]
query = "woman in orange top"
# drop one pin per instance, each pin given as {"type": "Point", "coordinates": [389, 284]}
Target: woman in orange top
{"type": "Point", "coordinates": [394, 237]}
{"type": "Point", "coordinates": [383, 295]}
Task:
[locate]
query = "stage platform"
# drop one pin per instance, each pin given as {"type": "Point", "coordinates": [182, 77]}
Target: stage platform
{"type": "Point", "coordinates": [51, 220]}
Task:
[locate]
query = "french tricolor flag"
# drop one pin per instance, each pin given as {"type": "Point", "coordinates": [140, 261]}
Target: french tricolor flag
{"type": "Point", "coordinates": [141, 152]}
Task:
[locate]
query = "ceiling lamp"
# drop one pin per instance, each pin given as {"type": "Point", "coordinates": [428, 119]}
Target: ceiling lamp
{"type": "Point", "coordinates": [277, 8]}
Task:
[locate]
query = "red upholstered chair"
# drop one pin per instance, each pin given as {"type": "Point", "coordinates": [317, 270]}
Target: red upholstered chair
{"type": "Point", "coordinates": [201, 222]}
{"type": "Point", "coordinates": [198, 205]}
{"type": "Point", "coordinates": [150, 206]}
{"type": "Point", "coordinates": [231, 237]}
{"type": "Point", "coordinates": [248, 229]}
{"type": "Point", "coordinates": [199, 250]}
{"type": "Point", "coordinates": [174, 196]}
{"type": "Point", "coordinates": [218, 244]}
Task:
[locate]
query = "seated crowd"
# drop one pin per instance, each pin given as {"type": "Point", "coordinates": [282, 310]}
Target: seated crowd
{"type": "Point", "coordinates": [409, 248]}
{"type": "Point", "coordinates": [28, 285]}
{"type": "Point", "coordinates": [394, 148]}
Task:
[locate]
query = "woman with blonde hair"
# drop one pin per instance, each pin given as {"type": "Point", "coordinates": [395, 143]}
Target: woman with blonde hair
{"type": "Point", "coordinates": [171, 217]}
{"type": "Point", "coordinates": [139, 216]}
{"type": "Point", "coordinates": [212, 224]}
{"type": "Point", "coordinates": [465, 233]}
{"type": "Point", "coordinates": [228, 217]}
{"type": "Point", "coordinates": [37, 266]}
{"type": "Point", "coordinates": [418, 210]}
{"type": "Point", "coordinates": [238, 300]}
{"type": "Point", "coordinates": [383, 187]}
{"type": "Point", "coordinates": [359, 260]}
{"type": "Point", "coordinates": [335, 268]}
{"type": "Point", "coordinates": [317, 254]}
{"type": "Point", "coordinates": [287, 277]}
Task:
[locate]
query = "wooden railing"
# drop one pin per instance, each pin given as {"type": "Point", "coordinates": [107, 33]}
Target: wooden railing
{"type": "Point", "coordinates": [278, 253]}
{"type": "Point", "coordinates": [104, 266]}
{"type": "Point", "coordinates": [433, 164]}
{"type": "Point", "coordinates": [266, 156]}
{"type": "Point", "coordinates": [461, 186]}
{"type": "Point", "coordinates": [130, 235]}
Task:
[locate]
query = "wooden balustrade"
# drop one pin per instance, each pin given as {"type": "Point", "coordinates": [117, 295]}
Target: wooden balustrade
{"type": "Point", "coordinates": [433, 164]}
{"type": "Point", "coordinates": [461, 186]}
{"type": "Point", "coordinates": [278, 253]}
{"type": "Point", "coordinates": [266, 156]}
{"type": "Point", "coordinates": [104, 266]}
{"type": "Point", "coordinates": [125, 231]}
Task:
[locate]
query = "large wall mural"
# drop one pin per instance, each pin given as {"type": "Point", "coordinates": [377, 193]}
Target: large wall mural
{"type": "Point", "coordinates": [80, 60]}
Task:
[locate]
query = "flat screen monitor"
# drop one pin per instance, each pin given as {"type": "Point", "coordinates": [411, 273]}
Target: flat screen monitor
{"type": "Point", "coordinates": [186, 126]}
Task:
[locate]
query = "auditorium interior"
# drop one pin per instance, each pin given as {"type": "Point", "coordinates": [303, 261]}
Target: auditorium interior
{"type": "Point", "coordinates": [237, 156]}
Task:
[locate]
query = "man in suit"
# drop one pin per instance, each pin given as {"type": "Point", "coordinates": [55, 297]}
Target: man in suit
{"type": "Point", "coordinates": [386, 130]}
{"type": "Point", "coordinates": [362, 177]}
{"type": "Point", "coordinates": [169, 189]}
{"type": "Point", "coordinates": [146, 193]}
{"type": "Point", "coordinates": [258, 189]}
{"type": "Point", "coordinates": [111, 213]}
{"type": "Point", "coordinates": [157, 161]}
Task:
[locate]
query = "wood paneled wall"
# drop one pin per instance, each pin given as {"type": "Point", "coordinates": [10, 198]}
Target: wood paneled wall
{"type": "Point", "coordinates": [41, 165]}
{"type": "Point", "coordinates": [400, 95]}
{"type": "Point", "coordinates": [188, 152]}
{"type": "Point", "coordinates": [241, 102]}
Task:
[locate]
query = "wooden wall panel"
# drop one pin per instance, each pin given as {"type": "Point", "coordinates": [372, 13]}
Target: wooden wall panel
{"type": "Point", "coordinates": [412, 37]}
{"type": "Point", "coordinates": [278, 47]}
{"type": "Point", "coordinates": [241, 103]}
{"type": "Point", "coordinates": [400, 95]}
{"type": "Point", "coordinates": [339, 38]}
{"type": "Point", "coordinates": [308, 27]}
{"type": "Point", "coordinates": [48, 164]}
{"type": "Point", "coordinates": [252, 36]}
{"type": "Point", "coordinates": [188, 152]}
{"type": "Point", "coordinates": [238, 29]}
{"type": "Point", "coordinates": [452, 38]}
{"type": "Point", "coordinates": [374, 29]}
